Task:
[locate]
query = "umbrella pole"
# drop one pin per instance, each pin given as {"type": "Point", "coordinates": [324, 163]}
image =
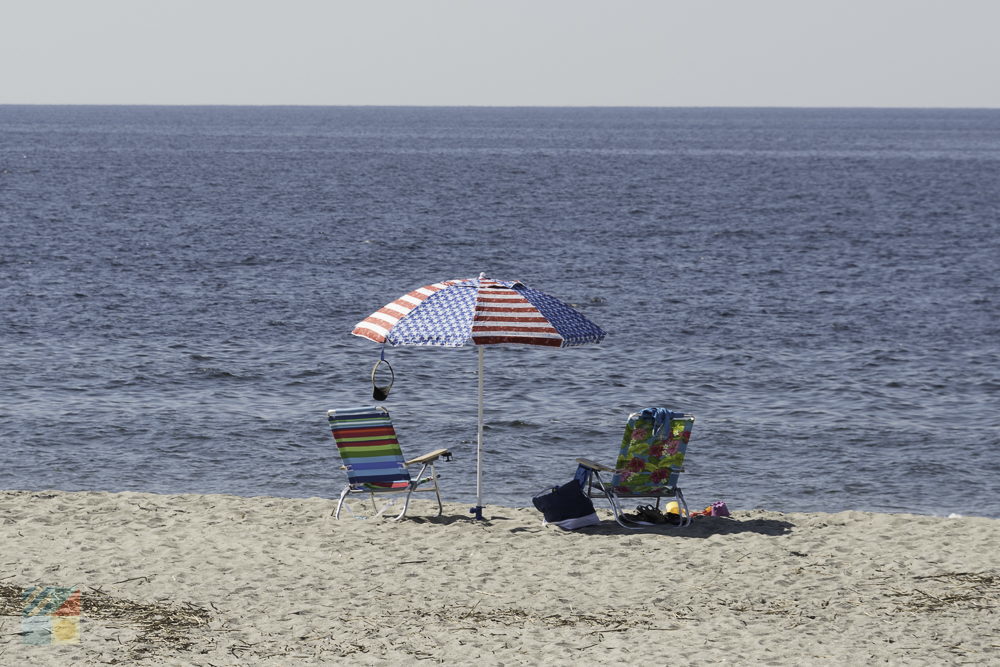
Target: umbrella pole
{"type": "Point", "coordinates": [478, 509]}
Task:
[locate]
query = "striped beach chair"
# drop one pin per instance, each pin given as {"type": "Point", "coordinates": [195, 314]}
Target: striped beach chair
{"type": "Point", "coordinates": [374, 461]}
{"type": "Point", "coordinates": [649, 463]}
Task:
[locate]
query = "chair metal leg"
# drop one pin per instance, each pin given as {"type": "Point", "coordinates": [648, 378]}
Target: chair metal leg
{"type": "Point", "coordinates": [683, 507]}
{"type": "Point", "coordinates": [409, 492]}
{"type": "Point", "coordinates": [619, 515]}
{"type": "Point", "coordinates": [342, 501]}
{"type": "Point", "coordinates": [437, 489]}
{"type": "Point", "coordinates": [685, 518]}
{"type": "Point", "coordinates": [343, 494]}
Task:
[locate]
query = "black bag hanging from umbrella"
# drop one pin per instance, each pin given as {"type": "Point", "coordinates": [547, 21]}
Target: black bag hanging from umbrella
{"type": "Point", "coordinates": [380, 392]}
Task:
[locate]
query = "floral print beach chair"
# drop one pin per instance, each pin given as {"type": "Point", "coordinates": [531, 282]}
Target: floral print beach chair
{"type": "Point", "coordinates": [648, 466]}
{"type": "Point", "coordinates": [374, 461]}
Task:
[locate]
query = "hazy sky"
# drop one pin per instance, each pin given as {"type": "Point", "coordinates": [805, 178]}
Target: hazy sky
{"type": "Point", "coordinates": [911, 53]}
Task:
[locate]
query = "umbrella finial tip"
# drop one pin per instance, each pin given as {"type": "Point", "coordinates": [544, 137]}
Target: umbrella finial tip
{"type": "Point", "coordinates": [482, 275]}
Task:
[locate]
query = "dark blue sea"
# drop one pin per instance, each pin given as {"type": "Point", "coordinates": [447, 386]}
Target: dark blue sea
{"type": "Point", "coordinates": [819, 287]}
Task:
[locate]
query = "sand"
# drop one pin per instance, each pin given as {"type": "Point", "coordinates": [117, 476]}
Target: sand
{"type": "Point", "coordinates": [224, 580]}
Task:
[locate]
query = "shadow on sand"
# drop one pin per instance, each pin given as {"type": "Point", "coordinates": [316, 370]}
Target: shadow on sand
{"type": "Point", "coordinates": [701, 528]}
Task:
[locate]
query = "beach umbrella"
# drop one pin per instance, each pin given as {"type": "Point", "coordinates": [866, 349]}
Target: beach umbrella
{"type": "Point", "coordinates": [478, 311]}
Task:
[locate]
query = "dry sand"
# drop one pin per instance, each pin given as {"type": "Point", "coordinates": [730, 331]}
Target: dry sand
{"type": "Point", "coordinates": [224, 580]}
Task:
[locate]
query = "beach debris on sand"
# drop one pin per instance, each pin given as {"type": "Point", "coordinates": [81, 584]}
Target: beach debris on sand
{"type": "Point", "coordinates": [157, 625]}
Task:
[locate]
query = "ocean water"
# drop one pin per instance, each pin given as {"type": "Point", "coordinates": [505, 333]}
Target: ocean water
{"type": "Point", "coordinates": [818, 287]}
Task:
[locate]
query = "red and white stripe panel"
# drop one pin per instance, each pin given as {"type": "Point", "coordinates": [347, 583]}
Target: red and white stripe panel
{"type": "Point", "coordinates": [504, 316]}
{"type": "Point", "coordinates": [377, 325]}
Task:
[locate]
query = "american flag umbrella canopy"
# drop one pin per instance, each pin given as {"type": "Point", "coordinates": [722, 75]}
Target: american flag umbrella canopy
{"type": "Point", "coordinates": [478, 311]}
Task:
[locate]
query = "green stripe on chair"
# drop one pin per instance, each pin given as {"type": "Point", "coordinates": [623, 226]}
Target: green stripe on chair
{"type": "Point", "coordinates": [364, 452]}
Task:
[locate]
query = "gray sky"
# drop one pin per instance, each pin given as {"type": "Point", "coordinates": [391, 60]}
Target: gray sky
{"type": "Point", "coordinates": [873, 53]}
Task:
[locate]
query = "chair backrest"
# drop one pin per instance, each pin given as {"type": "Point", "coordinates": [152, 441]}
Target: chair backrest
{"type": "Point", "coordinates": [652, 450]}
{"type": "Point", "coordinates": [368, 447]}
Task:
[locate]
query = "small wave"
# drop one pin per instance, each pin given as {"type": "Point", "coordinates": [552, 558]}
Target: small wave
{"type": "Point", "coordinates": [514, 423]}
{"type": "Point", "coordinates": [735, 233]}
{"type": "Point", "coordinates": [309, 373]}
{"type": "Point", "coordinates": [220, 374]}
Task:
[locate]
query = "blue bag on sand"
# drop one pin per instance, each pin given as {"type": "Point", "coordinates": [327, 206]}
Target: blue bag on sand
{"type": "Point", "coordinates": [566, 506]}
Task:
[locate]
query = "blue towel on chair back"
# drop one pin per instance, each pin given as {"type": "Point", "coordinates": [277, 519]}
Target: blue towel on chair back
{"type": "Point", "coordinates": [661, 419]}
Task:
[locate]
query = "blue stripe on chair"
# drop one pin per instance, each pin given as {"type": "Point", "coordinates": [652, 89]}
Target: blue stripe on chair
{"type": "Point", "coordinates": [378, 478]}
{"type": "Point", "coordinates": [358, 413]}
{"type": "Point", "coordinates": [380, 471]}
{"type": "Point", "coordinates": [378, 459]}
{"type": "Point", "coordinates": [362, 415]}
{"type": "Point", "coordinates": [392, 464]}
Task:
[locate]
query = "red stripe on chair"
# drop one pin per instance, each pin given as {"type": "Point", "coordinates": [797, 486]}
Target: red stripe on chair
{"type": "Point", "coordinates": [386, 485]}
{"type": "Point", "coordinates": [348, 432]}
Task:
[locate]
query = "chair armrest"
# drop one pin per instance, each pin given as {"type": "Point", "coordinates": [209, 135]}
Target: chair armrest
{"type": "Point", "coordinates": [587, 463]}
{"type": "Point", "coordinates": [428, 457]}
{"type": "Point", "coordinates": [593, 465]}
